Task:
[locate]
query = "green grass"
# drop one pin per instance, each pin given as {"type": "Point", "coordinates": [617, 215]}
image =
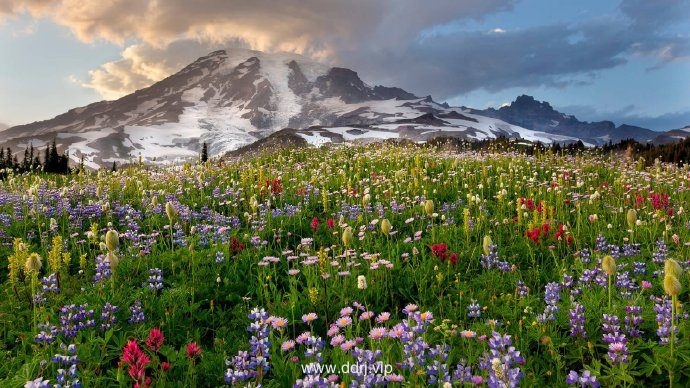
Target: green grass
{"type": "Point", "coordinates": [268, 205]}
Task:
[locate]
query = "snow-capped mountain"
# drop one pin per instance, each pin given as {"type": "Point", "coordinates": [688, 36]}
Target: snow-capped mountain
{"type": "Point", "coordinates": [233, 98]}
{"type": "Point", "coordinates": [539, 115]}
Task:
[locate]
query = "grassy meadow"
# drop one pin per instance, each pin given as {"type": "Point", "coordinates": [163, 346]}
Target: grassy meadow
{"type": "Point", "coordinates": [389, 264]}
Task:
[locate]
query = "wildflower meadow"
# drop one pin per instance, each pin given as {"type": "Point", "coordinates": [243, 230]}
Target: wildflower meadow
{"type": "Point", "coordinates": [367, 265]}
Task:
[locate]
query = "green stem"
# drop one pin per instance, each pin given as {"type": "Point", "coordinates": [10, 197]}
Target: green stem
{"type": "Point", "coordinates": [609, 293]}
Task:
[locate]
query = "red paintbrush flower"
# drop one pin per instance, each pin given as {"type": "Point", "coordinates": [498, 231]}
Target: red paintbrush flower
{"type": "Point", "coordinates": [193, 350]}
{"type": "Point", "coordinates": [155, 340]}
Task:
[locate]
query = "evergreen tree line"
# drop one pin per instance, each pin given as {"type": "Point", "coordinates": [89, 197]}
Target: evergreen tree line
{"type": "Point", "coordinates": [677, 152]}
{"type": "Point", "coordinates": [53, 161]}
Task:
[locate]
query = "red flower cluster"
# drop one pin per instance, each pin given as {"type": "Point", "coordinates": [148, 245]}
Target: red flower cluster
{"type": "Point", "coordinates": [538, 232]}
{"type": "Point", "coordinates": [276, 186]}
{"type": "Point", "coordinates": [235, 246]}
{"type": "Point", "coordinates": [315, 223]}
{"type": "Point", "coordinates": [155, 340]}
{"type": "Point", "coordinates": [193, 350]}
{"type": "Point", "coordinates": [528, 202]}
{"type": "Point", "coordinates": [137, 360]}
{"type": "Point", "coordinates": [661, 202]}
{"type": "Point", "coordinates": [440, 250]}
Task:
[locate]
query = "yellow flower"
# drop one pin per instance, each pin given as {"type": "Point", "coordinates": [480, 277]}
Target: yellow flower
{"type": "Point", "coordinates": [347, 236]}
{"type": "Point", "coordinates": [671, 267]}
{"type": "Point", "coordinates": [486, 244]}
{"type": "Point", "coordinates": [170, 211]}
{"type": "Point", "coordinates": [608, 264]}
{"type": "Point", "coordinates": [361, 282]}
{"type": "Point", "coordinates": [33, 263]}
{"type": "Point", "coordinates": [112, 240]}
{"type": "Point", "coordinates": [671, 285]}
{"type": "Point", "coordinates": [631, 217]}
{"type": "Point", "coordinates": [386, 226]}
{"type": "Point", "coordinates": [365, 200]}
{"type": "Point", "coordinates": [429, 207]}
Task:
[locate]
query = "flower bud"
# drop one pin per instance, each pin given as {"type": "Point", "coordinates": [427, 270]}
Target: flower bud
{"type": "Point", "coordinates": [112, 259]}
{"type": "Point", "coordinates": [112, 240]}
{"type": "Point", "coordinates": [672, 286]}
{"type": "Point", "coordinates": [170, 211]}
{"type": "Point", "coordinates": [429, 207]}
{"type": "Point", "coordinates": [671, 267]}
{"type": "Point", "coordinates": [608, 264]}
{"type": "Point", "coordinates": [631, 217]}
{"type": "Point", "coordinates": [347, 236]}
{"type": "Point", "coordinates": [361, 282]}
{"type": "Point", "coordinates": [33, 263]}
{"type": "Point", "coordinates": [386, 226]}
{"type": "Point", "coordinates": [365, 200]}
{"type": "Point", "coordinates": [486, 244]}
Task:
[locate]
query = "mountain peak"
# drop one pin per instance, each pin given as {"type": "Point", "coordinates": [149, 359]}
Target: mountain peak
{"type": "Point", "coordinates": [528, 103]}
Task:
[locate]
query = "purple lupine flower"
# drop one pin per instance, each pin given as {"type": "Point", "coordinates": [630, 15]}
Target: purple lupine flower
{"type": "Point", "coordinates": [611, 328]}
{"type": "Point", "coordinates": [67, 378]}
{"type": "Point", "coordinates": [474, 309]}
{"type": "Point", "coordinates": [662, 307]}
{"type": "Point", "coordinates": [370, 369]}
{"type": "Point", "coordinates": [239, 369]}
{"type": "Point", "coordinates": [595, 275]}
{"type": "Point", "coordinates": [137, 313]}
{"type": "Point", "coordinates": [630, 250]}
{"type": "Point", "coordinates": [585, 380]}
{"type": "Point", "coordinates": [618, 343]}
{"type": "Point", "coordinates": [50, 284]}
{"type": "Point", "coordinates": [625, 284]}
{"type": "Point", "coordinates": [614, 251]}
{"type": "Point", "coordinates": [462, 373]}
{"type": "Point", "coordinates": [567, 281]}
{"type": "Point", "coordinates": [639, 268]}
{"type": "Point", "coordinates": [618, 351]}
{"type": "Point", "coordinates": [437, 370]}
{"type": "Point", "coordinates": [245, 365]}
{"type": "Point", "coordinates": [577, 321]}
{"type": "Point", "coordinates": [102, 269]}
{"type": "Point", "coordinates": [491, 260]}
{"type": "Point", "coordinates": [37, 383]}
{"type": "Point", "coordinates": [108, 317]}
{"type": "Point", "coordinates": [155, 280]}
{"type": "Point", "coordinates": [500, 361]}
{"type": "Point", "coordinates": [585, 256]}
{"type": "Point", "coordinates": [220, 257]}
{"type": "Point", "coordinates": [551, 296]}
{"type": "Point", "coordinates": [661, 253]}
{"type": "Point", "coordinates": [633, 320]}
{"type": "Point", "coordinates": [522, 289]}
{"type": "Point", "coordinates": [601, 245]}
{"type": "Point", "coordinates": [47, 333]}
{"type": "Point", "coordinates": [75, 318]}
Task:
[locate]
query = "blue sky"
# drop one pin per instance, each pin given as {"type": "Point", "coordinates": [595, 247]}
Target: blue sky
{"type": "Point", "coordinates": [627, 61]}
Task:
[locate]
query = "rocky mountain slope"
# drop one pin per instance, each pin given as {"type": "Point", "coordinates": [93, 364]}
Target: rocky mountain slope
{"type": "Point", "coordinates": [232, 98]}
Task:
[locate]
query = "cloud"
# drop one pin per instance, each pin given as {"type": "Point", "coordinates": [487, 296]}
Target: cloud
{"type": "Point", "coordinates": [464, 61]}
{"type": "Point", "coordinates": [141, 65]}
{"type": "Point", "coordinates": [3, 126]}
{"type": "Point", "coordinates": [301, 25]}
{"type": "Point", "coordinates": [382, 40]}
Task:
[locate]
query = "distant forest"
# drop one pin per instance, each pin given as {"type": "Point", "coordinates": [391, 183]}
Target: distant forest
{"type": "Point", "coordinates": [52, 162]}
{"type": "Point", "coordinates": [678, 153]}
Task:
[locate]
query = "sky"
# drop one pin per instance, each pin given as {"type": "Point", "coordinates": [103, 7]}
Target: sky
{"type": "Point", "coordinates": [626, 61]}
